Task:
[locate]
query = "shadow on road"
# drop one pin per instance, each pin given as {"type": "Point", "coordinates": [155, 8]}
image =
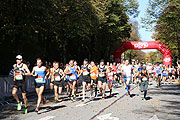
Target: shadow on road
{"type": "Point", "coordinates": [49, 108]}
{"type": "Point", "coordinates": [169, 105]}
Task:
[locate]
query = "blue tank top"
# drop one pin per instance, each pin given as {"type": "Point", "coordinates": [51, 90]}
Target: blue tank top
{"type": "Point", "coordinates": [40, 78]}
{"type": "Point", "coordinates": [73, 75]}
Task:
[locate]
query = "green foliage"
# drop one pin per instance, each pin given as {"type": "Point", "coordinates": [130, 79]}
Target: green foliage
{"type": "Point", "coordinates": [62, 29]}
{"type": "Point", "coordinates": [165, 16]}
{"type": "Point", "coordinates": [154, 57]}
{"type": "Point", "coordinates": [135, 54]}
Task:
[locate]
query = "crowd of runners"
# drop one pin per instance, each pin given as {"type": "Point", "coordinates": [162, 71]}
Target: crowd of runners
{"type": "Point", "coordinates": [96, 78]}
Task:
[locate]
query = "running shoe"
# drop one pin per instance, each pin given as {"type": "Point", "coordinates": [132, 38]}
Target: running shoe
{"type": "Point", "coordinates": [37, 110]}
{"type": "Point", "coordinates": [83, 99]}
{"type": "Point", "coordinates": [74, 98]}
{"type": "Point", "coordinates": [57, 101]}
{"type": "Point", "coordinates": [144, 99]}
{"type": "Point", "coordinates": [19, 106]}
{"type": "Point", "coordinates": [100, 93]}
{"type": "Point", "coordinates": [25, 111]}
{"type": "Point", "coordinates": [103, 96]}
{"type": "Point", "coordinates": [44, 100]}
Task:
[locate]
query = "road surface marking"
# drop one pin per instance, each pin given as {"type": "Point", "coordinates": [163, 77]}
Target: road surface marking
{"type": "Point", "coordinates": [154, 118]}
{"type": "Point", "coordinates": [107, 117]}
{"type": "Point", "coordinates": [47, 118]}
{"type": "Point", "coordinates": [83, 104]}
{"type": "Point", "coordinates": [110, 104]}
{"type": "Point", "coordinates": [80, 105]}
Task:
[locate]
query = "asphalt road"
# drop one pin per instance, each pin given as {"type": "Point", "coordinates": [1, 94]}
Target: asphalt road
{"type": "Point", "coordinates": [163, 104]}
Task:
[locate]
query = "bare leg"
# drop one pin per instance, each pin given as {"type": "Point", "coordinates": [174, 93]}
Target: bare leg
{"type": "Point", "coordinates": [25, 99]}
{"type": "Point", "coordinates": [14, 91]}
{"type": "Point", "coordinates": [104, 87]}
{"type": "Point", "coordinates": [56, 91]}
{"type": "Point", "coordinates": [83, 90]}
{"type": "Point", "coordinates": [40, 91]}
{"type": "Point", "coordinates": [73, 87]}
{"type": "Point", "coordinates": [100, 86]}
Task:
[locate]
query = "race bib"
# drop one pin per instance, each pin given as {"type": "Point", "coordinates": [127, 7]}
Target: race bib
{"type": "Point", "coordinates": [144, 79]}
{"type": "Point", "coordinates": [73, 77]}
{"type": "Point", "coordinates": [18, 76]}
{"type": "Point", "coordinates": [93, 74]}
{"type": "Point", "coordinates": [57, 78]}
{"type": "Point", "coordinates": [85, 73]}
{"type": "Point", "coordinates": [111, 78]}
{"type": "Point", "coordinates": [39, 79]}
{"type": "Point", "coordinates": [101, 75]}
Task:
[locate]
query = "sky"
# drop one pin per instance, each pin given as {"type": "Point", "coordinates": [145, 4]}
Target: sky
{"type": "Point", "coordinates": [145, 35]}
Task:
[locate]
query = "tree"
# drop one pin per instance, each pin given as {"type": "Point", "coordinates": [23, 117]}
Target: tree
{"type": "Point", "coordinates": [165, 15]}
{"type": "Point", "coordinates": [62, 29]}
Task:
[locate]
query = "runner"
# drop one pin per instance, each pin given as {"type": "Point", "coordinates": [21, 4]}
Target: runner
{"type": "Point", "coordinates": [164, 74]}
{"type": "Point", "coordinates": [102, 78]}
{"type": "Point", "coordinates": [158, 75]}
{"type": "Point", "coordinates": [78, 69]}
{"type": "Point", "coordinates": [94, 76]}
{"type": "Point", "coordinates": [66, 83]}
{"type": "Point", "coordinates": [110, 79]}
{"type": "Point", "coordinates": [58, 81]}
{"type": "Point", "coordinates": [133, 74]}
{"type": "Point", "coordinates": [20, 70]}
{"type": "Point", "coordinates": [173, 73]}
{"type": "Point", "coordinates": [114, 70]}
{"type": "Point", "coordinates": [39, 72]}
{"type": "Point", "coordinates": [126, 69]}
{"type": "Point", "coordinates": [170, 73]}
{"type": "Point", "coordinates": [51, 76]}
{"type": "Point", "coordinates": [154, 72]}
{"type": "Point", "coordinates": [71, 76]}
{"type": "Point", "coordinates": [119, 78]}
{"type": "Point", "coordinates": [85, 71]}
{"type": "Point", "coordinates": [107, 64]}
{"type": "Point", "coordinates": [144, 75]}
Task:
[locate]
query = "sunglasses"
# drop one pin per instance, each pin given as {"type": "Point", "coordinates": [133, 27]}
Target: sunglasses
{"type": "Point", "coordinates": [18, 59]}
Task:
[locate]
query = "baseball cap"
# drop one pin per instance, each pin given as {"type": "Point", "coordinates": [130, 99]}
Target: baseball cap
{"type": "Point", "coordinates": [18, 57]}
{"type": "Point", "coordinates": [85, 59]}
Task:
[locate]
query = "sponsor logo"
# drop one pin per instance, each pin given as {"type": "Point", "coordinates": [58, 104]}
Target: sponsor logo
{"type": "Point", "coordinates": [168, 59]}
{"type": "Point", "coordinates": [141, 45]}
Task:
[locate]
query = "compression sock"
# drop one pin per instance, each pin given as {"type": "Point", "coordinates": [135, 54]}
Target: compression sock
{"type": "Point", "coordinates": [95, 91]}
{"type": "Point", "coordinates": [145, 92]}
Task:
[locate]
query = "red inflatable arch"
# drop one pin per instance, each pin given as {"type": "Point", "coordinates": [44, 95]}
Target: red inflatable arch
{"type": "Point", "coordinates": [138, 45]}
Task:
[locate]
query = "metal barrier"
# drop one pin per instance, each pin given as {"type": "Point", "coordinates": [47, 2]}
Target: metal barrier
{"type": "Point", "coordinates": [6, 84]}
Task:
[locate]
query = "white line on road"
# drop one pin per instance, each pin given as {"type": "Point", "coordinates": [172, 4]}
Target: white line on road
{"type": "Point", "coordinates": [47, 118]}
{"type": "Point", "coordinates": [154, 118]}
{"type": "Point", "coordinates": [107, 117]}
{"type": "Point", "coordinates": [83, 104]}
{"type": "Point", "coordinates": [57, 104]}
{"type": "Point", "coordinates": [80, 105]}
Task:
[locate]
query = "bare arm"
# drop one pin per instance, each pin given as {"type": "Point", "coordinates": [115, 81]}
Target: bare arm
{"type": "Point", "coordinates": [62, 73]}
{"type": "Point", "coordinates": [66, 71]}
{"type": "Point", "coordinates": [27, 70]}
{"type": "Point", "coordinates": [32, 73]}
